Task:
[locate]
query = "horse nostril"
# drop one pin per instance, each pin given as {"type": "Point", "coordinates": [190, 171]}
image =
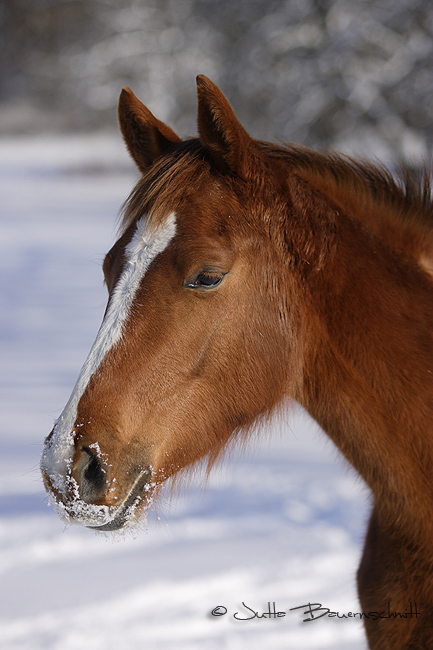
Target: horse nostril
{"type": "Point", "coordinates": [91, 476]}
{"type": "Point", "coordinates": [94, 473]}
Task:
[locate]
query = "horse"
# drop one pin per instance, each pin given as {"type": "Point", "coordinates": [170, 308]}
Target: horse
{"type": "Point", "coordinates": [246, 274]}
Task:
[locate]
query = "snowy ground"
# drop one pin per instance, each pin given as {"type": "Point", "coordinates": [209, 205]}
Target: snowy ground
{"type": "Point", "coordinates": [283, 523]}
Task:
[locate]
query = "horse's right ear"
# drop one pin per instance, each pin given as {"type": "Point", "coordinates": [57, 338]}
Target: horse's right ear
{"type": "Point", "coordinates": [146, 137]}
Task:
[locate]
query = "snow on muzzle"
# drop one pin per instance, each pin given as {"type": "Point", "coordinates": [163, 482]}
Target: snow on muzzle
{"type": "Point", "coordinates": [89, 494]}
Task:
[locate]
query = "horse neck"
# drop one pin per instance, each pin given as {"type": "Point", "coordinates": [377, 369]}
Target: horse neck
{"type": "Point", "coordinates": [369, 373]}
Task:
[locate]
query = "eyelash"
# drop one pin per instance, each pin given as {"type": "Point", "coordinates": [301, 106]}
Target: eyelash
{"type": "Point", "coordinates": [206, 280]}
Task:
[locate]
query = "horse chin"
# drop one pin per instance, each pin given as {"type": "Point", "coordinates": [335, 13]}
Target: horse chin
{"type": "Point", "coordinates": [133, 507]}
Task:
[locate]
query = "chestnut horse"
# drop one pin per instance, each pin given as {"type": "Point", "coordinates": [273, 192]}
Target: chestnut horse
{"type": "Point", "coordinates": [247, 273]}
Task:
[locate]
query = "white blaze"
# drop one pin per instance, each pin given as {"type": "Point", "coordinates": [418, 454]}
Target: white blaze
{"type": "Point", "coordinates": [139, 253]}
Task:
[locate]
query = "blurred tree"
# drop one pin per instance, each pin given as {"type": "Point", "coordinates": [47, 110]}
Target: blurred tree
{"type": "Point", "coordinates": [353, 75]}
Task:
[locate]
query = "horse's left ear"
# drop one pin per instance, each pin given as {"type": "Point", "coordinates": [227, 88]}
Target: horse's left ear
{"type": "Point", "coordinates": [146, 137]}
{"type": "Point", "coordinates": [221, 132]}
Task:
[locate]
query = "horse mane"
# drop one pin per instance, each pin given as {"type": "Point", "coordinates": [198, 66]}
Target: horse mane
{"type": "Point", "coordinates": [397, 206]}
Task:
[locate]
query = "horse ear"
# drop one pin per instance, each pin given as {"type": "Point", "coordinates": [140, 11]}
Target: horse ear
{"type": "Point", "coordinates": [146, 137]}
{"type": "Point", "coordinates": [220, 131]}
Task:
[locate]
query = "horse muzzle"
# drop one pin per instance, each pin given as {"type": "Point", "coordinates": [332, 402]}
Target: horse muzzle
{"type": "Point", "coordinates": [84, 488]}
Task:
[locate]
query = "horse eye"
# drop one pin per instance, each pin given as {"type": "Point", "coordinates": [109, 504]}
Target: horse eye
{"type": "Point", "coordinates": [206, 280]}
